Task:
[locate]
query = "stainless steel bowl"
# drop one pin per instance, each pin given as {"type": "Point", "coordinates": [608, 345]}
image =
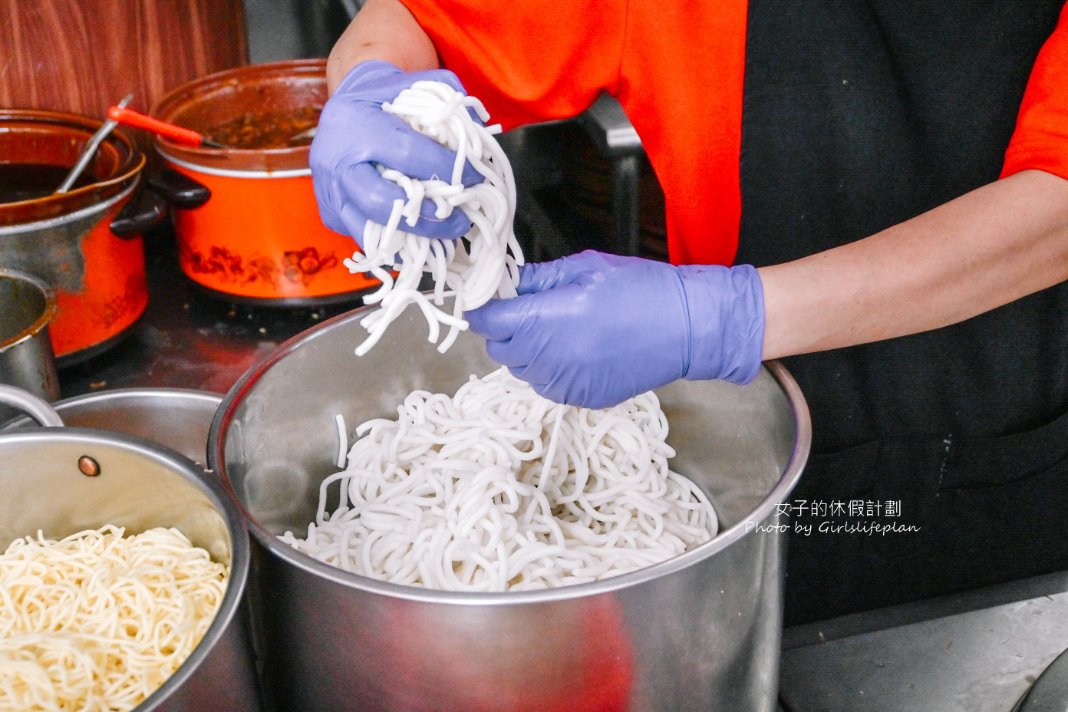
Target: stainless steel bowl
{"type": "Point", "coordinates": [698, 632]}
{"type": "Point", "coordinates": [139, 485]}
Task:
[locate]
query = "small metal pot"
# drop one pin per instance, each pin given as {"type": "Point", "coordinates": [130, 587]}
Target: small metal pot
{"type": "Point", "coordinates": [258, 239]}
{"type": "Point", "coordinates": [45, 484]}
{"type": "Point", "coordinates": [698, 632]}
{"type": "Point", "coordinates": [27, 305]}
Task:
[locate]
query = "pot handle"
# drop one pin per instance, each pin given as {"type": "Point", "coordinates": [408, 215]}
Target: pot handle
{"type": "Point", "coordinates": [179, 189]}
{"type": "Point", "coordinates": [144, 212]}
{"type": "Point", "coordinates": [36, 408]}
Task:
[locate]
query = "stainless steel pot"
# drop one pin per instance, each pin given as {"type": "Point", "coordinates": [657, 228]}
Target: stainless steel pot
{"type": "Point", "coordinates": [698, 632]}
{"type": "Point", "coordinates": [27, 305]}
{"type": "Point", "coordinates": [177, 418]}
{"type": "Point", "coordinates": [139, 485]}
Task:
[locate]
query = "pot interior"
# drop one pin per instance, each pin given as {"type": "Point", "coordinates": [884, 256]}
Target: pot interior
{"type": "Point", "coordinates": [276, 99]}
{"type": "Point", "coordinates": [38, 149]}
{"type": "Point", "coordinates": [274, 438]}
{"type": "Point", "coordinates": [42, 487]}
{"type": "Point", "coordinates": [26, 305]}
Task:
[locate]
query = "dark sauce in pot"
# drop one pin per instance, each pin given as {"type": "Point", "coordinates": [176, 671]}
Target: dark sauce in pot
{"type": "Point", "coordinates": [266, 130]}
{"type": "Point", "coordinates": [29, 181]}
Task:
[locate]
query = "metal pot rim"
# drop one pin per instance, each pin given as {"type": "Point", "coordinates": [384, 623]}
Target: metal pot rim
{"type": "Point", "coordinates": [125, 393]}
{"type": "Point", "coordinates": [81, 213]}
{"type": "Point", "coordinates": [233, 172]}
{"type": "Point", "coordinates": [767, 507]}
{"type": "Point", "coordinates": [240, 550]}
{"type": "Point", "coordinates": [47, 313]}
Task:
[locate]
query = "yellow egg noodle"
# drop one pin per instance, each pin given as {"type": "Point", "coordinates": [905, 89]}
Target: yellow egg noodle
{"type": "Point", "coordinates": [98, 621]}
{"type": "Point", "coordinates": [497, 488]}
{"type": "Point", "coordinates": [472, 270]}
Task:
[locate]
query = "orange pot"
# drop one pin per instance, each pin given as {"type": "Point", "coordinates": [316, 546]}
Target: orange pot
{"type": "Point", "coordinates": [78, 242]}
{"type": "Point", "coordinates": [259, 237]}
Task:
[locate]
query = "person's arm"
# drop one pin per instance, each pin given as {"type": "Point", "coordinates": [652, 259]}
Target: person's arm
{"type": "Point", "coordinates": [593, 329]}
{"type": "Point", "coordinates": [382, 29]}
{"type": "Point", "coordinates": [982, 250]}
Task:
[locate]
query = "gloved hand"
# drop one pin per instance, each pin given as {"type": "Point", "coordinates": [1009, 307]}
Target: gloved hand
{"type": "Point", "coordinates": [595, 329]}
{"type": "Point", "coordinates": [354, 134]}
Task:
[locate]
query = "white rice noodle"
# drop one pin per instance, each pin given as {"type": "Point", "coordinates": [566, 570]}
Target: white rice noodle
{"type": "Point", "coordinates": [473, 269]}
{"type": "Point", "coordinates": [342, 439]}
{"type": "Point", "coordinates": [497, 489]}
{"type": "Point", "coordinates": [99, 620]}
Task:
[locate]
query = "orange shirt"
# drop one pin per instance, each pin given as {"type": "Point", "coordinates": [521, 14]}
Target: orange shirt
{"type": "Point", "coordinates": [1041, 137]}
{"type": "Point", "coordinates": [532, 61]}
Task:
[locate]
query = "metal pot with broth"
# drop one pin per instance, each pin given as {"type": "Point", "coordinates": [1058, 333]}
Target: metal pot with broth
{"type": "Point", "coordinates": [259, 238]}
{"type": "Point", "coordinates": [74, 241]}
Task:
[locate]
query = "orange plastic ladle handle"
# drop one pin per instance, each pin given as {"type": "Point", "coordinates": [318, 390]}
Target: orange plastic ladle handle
{"type": "Point", "coordinates": [129, 117]}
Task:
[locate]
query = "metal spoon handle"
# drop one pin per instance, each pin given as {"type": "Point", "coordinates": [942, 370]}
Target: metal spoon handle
{"type": "Point", "coordinates": [162, 128]}
{"type": "Point", "coordinates": [90, 149]}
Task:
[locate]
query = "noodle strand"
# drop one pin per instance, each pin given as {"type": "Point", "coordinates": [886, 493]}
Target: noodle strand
{"type": "Point", "coordinates": [496, 488]}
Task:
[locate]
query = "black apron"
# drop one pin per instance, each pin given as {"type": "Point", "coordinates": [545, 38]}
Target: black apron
{"type": "Point", "coordinates": [859, 114]}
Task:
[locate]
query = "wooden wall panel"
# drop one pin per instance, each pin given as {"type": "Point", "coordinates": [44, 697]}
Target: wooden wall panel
{"type": "Point", "coordinates": [84, 55]}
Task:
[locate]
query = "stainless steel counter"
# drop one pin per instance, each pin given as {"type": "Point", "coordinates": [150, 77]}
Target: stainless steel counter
{"type": "Point", "coordinates": [975, 652]}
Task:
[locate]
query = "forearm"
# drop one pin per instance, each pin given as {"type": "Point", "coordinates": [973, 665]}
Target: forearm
{"type": "Point", "coordinates": [985, 249]}
{"type": "Point", "coordinates": [382, 29]}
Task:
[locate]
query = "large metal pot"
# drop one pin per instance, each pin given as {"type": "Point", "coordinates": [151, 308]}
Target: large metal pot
{"type": "Point", "coordinates": [698, 632]}
{"type": "Point", "coordinates": [45, 485]}
{"type": "Point", "coordinates": [258, 239]}
{"type": "Point", "coordinates": [80, 242]}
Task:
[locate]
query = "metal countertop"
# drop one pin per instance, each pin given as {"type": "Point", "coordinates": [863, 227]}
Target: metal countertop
{"type": "Point", "coordinates": [188, 338]}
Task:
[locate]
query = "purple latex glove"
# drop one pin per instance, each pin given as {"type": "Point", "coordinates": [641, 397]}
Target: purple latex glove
{"type": "Point", "coordinates": [595, 329]}
{"type": "Point", "coordinates": [354, 134]}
